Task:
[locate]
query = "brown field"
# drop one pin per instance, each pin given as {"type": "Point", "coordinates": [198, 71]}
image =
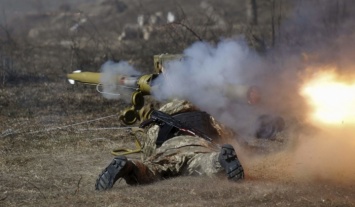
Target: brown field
{"type": "Point", "coordinates": [53, 143]}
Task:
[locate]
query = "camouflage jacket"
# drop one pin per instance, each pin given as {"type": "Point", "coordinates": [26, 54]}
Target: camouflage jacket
{"type": "Point", "coordinates": [149, 135]}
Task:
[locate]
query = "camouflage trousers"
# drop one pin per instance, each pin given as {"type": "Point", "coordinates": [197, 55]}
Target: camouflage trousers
{"type": "Point", "coordinates": [180, 155]}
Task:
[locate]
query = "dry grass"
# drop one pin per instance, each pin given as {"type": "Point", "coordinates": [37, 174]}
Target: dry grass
{"type": "Point", "coordinates": [60, 170]}
{"type": "Point", "coordinates": [59, 167]}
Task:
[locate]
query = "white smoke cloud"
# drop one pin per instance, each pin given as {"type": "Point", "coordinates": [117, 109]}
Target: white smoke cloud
{"type": "Point", "coordinates": [215, 78]}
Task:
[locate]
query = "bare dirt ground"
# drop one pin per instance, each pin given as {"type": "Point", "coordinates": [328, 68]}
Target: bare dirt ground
{"type": "Point", "coordinates": [60, 169]}
{"type": "Point", "coordinates": [52, 145]}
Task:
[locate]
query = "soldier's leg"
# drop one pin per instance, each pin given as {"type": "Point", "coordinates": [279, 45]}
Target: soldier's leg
{"type": "Point", "coordinates": [203, 164]}
{"type": "Point", "coordinates": [216, 162]}
{"type": "Point", "coordinates": [187, 155]}
{"type": "Point", "coordinates": [181, 155]}
{"type": "Point", "coordinates": [133, 172]}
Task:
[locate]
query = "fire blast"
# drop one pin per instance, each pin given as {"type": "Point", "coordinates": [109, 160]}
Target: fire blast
{"type": "Point", "coordinates": [332, 99]}
{"type": "Point", "coordinates": [328, 154]}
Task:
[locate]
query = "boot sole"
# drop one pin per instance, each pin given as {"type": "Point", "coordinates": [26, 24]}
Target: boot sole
{"type": "Point", "coordinates": [229, 161]}
{"type": "Point", "coordinates": [110, 174]}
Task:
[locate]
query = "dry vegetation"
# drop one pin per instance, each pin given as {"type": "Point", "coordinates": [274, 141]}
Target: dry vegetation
{"type": "Point", "coordinates": [42, 165]}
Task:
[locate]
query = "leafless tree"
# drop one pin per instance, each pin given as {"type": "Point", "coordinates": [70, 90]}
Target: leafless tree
{"type": "Point", "coordinates": [252, 12]}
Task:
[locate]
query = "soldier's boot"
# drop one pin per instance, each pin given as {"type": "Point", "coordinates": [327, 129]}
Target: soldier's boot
{"type": "Point", "coordinates": [133, 172]}
{"type": "Point", "coordinates": [229, 161]}
{"type": "Point", "coordinates": [120, 167]}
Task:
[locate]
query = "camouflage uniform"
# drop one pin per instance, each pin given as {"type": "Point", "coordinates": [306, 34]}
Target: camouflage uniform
{"type": "Point", "coordinates": [180, 155]}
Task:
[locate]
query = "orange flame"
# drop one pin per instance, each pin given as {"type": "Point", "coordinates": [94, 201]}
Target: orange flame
{"type": "Point", "coordinates": [332, 99]}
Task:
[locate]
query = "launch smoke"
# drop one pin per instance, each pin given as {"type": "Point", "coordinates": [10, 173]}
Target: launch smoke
{"type": "Point", "coordinates": [205, 76]}
{"type": "Point", "coordinates": [315, 34]}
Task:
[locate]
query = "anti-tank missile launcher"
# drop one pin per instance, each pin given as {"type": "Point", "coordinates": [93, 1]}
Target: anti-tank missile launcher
{"type": "Point", "coordinates": [142, 86]}
{"type": "Point", "coordinates": [139, 85]}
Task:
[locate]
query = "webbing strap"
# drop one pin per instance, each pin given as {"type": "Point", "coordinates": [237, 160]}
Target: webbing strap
{"type": "Point", "coordinates": [125, 151]}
